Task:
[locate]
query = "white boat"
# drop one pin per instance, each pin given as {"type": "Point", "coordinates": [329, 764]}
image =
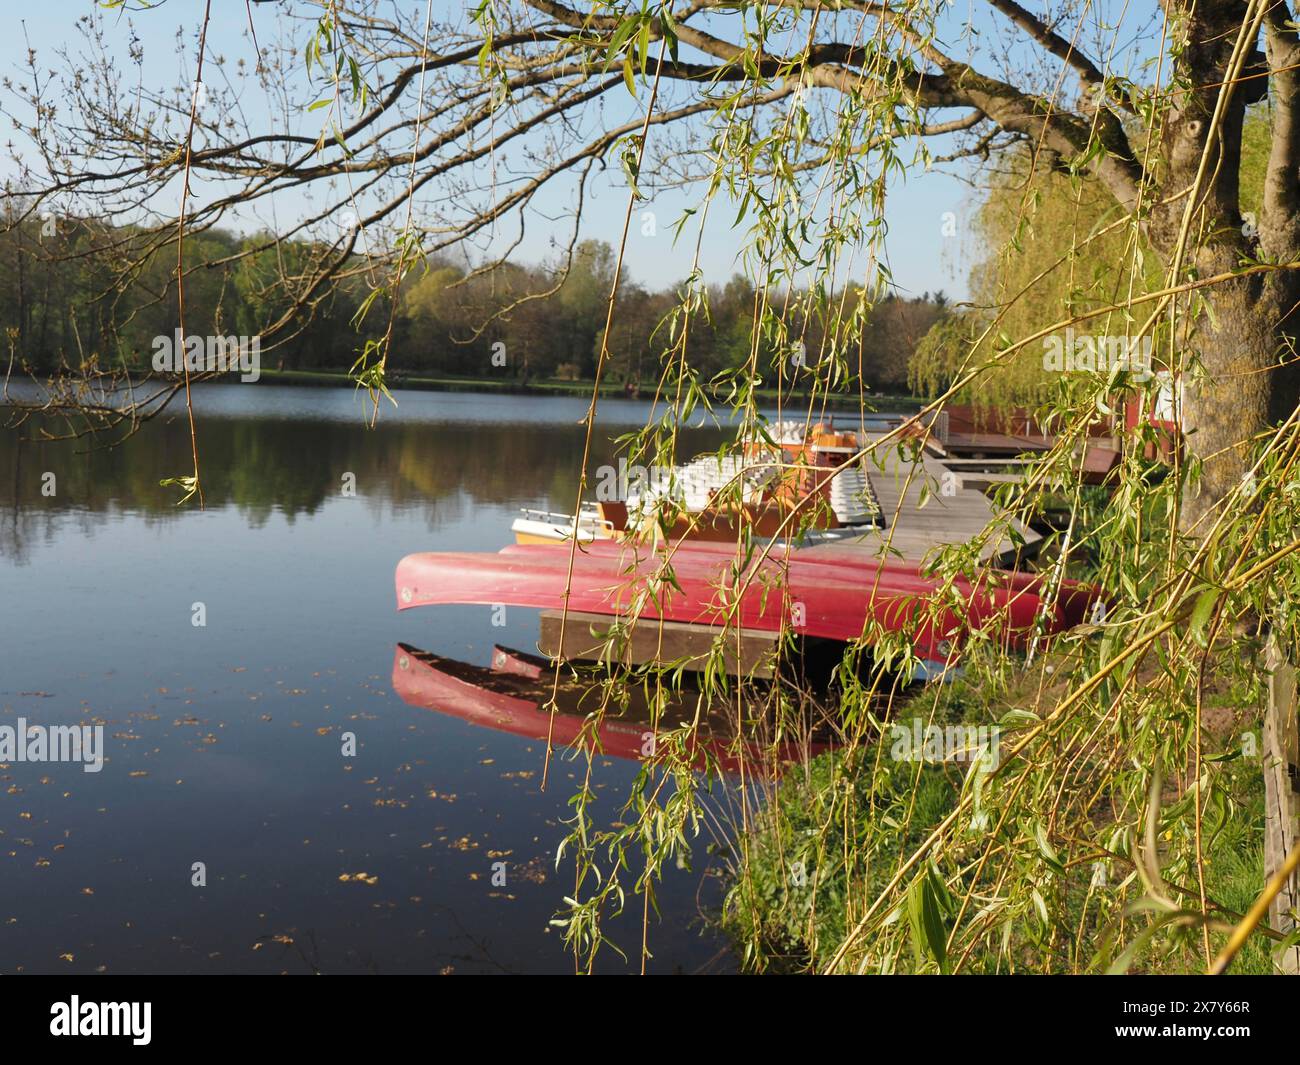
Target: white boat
{"type": "Point", "coordinates": [810, 480]}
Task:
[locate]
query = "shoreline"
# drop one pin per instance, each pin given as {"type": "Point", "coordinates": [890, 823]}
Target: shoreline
{"type": "Point", "coordinates": [880, 403]}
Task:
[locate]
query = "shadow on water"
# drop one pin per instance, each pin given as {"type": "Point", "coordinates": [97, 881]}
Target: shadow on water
{"type": "Point", "coordinates": [520, 694]}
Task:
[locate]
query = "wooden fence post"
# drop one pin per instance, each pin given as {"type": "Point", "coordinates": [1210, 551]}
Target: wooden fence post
{"type": "Point", "coordinates": [1282, 791]}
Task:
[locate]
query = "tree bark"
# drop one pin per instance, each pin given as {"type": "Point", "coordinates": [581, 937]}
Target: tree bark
{"type": "Point", "coordinates": [1244, 337]}
{"type": "Point", "coordinates": [1245, 391]}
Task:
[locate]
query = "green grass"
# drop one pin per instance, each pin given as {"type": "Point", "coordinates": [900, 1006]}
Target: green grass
{"type": "Point", "coordinates": [837, 829]}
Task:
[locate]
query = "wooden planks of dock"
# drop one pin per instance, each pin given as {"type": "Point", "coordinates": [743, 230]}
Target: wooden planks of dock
{"type": "Point", "coordinates": [749, 653]}
{"type": "Point", "coordinates": [953, 512]}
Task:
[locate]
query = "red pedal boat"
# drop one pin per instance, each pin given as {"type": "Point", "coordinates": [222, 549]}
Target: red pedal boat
{"type": "Point", "coordinates": [822, 595]}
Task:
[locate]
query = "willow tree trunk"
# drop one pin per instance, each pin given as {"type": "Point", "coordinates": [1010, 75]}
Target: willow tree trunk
{"type": "Point", "coordinates": [1243, 339]}
{"type": "Point", "coordinates": [1245, 392]}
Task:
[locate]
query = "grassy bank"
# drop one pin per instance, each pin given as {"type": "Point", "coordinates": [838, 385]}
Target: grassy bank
{"type": "Point", "coordinates": [835, 832]}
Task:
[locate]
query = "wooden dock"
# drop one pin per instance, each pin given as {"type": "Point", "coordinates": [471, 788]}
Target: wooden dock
{"type": "Point", "coordinates": [954, 512]}
{"type": "Point", "coordinates": [652, 640]}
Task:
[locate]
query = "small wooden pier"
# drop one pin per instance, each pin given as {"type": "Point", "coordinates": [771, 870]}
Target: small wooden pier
{"type": "Point", "coordinates": [749, 653]}
{"type": "Point", "coordinates": [955, 511]}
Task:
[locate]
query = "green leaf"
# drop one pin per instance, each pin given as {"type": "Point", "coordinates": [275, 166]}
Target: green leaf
{"type": "Point", "coordinates": [1045, 847]}
{"type": "Point", "coordinates": [1201, 612]}
{"type": "Point", "coordinates": [1018, 717]}
{"type": "Point", "coordinates": [621, 35]}
{"type": "Point", "coordinates": [643, 45]}
{"type": "Point", "coordinates": [926, 920]}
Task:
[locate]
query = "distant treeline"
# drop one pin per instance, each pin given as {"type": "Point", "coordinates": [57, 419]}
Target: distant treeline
{"type": "Point", "coordinates": [64, 302]}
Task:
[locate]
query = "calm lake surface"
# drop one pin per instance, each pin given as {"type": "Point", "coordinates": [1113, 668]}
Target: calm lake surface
{"type": "Point", "coordinates": [223, 742]}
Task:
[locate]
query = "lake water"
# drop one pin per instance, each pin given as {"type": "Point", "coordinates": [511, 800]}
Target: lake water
{"type": "Point", "coordinates": [223, 742]}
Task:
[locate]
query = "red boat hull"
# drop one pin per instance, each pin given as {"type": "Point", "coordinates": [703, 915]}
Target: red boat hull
{"type": "Point", "coordinates": [818, 597]}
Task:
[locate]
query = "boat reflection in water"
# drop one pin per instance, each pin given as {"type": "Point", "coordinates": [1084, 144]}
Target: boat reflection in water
{"type": "Point", "coordinates": [514, 696]}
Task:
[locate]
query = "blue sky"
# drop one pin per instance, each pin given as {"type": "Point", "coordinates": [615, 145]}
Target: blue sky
{"type": "Point", "coordinates": [921, 257]}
